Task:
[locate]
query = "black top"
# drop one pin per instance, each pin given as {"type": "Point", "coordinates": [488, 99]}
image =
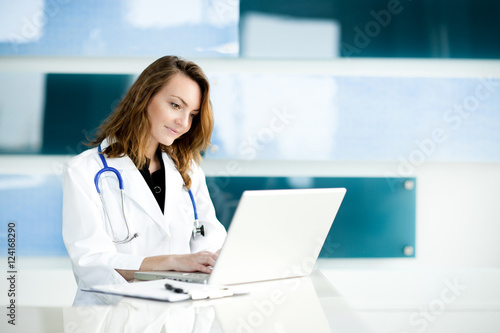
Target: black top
{"type": "Point", "coordinates": [156, 181]}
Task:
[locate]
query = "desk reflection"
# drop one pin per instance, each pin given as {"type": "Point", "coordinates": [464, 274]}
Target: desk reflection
{"type": "Point", "coordinates": [136, 315]}
{"type": "Point", "coordinates": [289, 305]}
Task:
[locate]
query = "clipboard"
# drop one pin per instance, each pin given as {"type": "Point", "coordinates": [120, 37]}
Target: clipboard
{"type": "Point", "coordinates": [177, 291]}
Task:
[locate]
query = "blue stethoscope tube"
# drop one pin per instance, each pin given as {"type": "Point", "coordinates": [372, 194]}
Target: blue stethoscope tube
{"type": "Point", "coordinates": [197, 228]}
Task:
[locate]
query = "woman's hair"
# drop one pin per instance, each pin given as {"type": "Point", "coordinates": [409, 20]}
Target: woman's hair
{"type": "Point", "coordinates": [127, 129]}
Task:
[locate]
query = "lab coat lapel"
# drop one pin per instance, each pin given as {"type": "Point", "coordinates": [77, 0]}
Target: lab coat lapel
{"type": "Point", "coordinates": [173, 188]}
{"type": "Point", "coordinates": [137, 189]}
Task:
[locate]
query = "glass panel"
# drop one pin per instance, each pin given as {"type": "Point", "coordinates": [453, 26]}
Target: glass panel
{"type": "Point", "coordinates": [376, 218]}
{"type": "Point", "coordinates": [372, 28]}
{"type": "Point", "coordinates": [75, 105]}
{"type": "Point", "coordinates": [268, 116]}
{"type": "Point", "coordinates": [406, 119]}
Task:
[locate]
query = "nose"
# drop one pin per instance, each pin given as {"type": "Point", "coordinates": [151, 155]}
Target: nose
{"type": "Point", "coordinates": [184, 120]}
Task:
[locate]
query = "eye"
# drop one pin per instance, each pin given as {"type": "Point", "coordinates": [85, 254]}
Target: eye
{"type": "Point", "coordinates": [175, 106]}
{"type": "Point", "coordinates": [193, 115]}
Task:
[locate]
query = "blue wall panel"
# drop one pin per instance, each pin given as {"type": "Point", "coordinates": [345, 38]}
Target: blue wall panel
{"type": "Point", "coordinates": [34, 204]}
{"type": "Point", "coordinates": [376, 219]}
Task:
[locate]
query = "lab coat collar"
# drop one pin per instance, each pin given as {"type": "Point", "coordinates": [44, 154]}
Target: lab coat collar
{"type": "Point", "coordinates": [173, 186]}
{"type": "Point", "coordinates": [141, 193]}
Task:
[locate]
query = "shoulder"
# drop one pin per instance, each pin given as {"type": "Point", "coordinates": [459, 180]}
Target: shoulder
{"type": "Point", "coordinates": [195, 170]}
{"type": "Point", "coordinates": [197, 175]}
{"type": "Point", "coordinates": [194, 167]}
{"type": "Point", "coordinates": [79, 170]}
{"type": "Point", "coordinates": [87, 160]}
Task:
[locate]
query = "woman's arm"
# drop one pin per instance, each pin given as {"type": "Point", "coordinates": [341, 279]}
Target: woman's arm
{"type": "Point", "coordinates": [194, 262]}
{"type": "Point", "coordinates": [90, 248]}
{"type": "Point", "coordinates": [202, 260]}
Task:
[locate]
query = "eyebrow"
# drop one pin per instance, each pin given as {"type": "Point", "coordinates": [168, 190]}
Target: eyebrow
{"type": "Point", "coordinates": [183, 102]}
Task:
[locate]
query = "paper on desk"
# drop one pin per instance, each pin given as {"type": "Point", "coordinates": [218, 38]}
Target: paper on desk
{"type": "Point", "coordinates": [156, 290]}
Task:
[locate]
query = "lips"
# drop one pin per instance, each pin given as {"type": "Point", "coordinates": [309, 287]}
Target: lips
{"type": "Point", "coordinates": [171, 130]}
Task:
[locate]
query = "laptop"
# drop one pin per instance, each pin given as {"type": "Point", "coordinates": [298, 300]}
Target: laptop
{"type": "Point", "coordinates": [274, 234]}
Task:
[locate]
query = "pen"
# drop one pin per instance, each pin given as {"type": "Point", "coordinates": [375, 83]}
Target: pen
{"type": "Point", "coordinates": [174, 289]}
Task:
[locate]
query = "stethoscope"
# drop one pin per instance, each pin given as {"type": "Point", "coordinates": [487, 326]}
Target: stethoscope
{"type": "Point", "coordinates": [198, 229]}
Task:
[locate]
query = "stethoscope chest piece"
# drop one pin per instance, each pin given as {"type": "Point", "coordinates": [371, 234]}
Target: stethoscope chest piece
{"type": "Point", "coordinates": [198, 229]}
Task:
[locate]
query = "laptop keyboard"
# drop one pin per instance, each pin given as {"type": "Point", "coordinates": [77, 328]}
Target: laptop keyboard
{"type": "Point", "coordinates": [197, 275]}
{"type": "Point", "coordinates": [187, 277]}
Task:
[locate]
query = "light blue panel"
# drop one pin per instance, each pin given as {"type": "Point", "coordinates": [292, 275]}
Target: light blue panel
{"type": "Point", "coordinates": [192, 28]}
{"type": "Point", "coordinates": [396, 118]}
{"type": "Point", "coordinates": [303, 117]}
{"type": "Point", "coordinates": [34, 204]}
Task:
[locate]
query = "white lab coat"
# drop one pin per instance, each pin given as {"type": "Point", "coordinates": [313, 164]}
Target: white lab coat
{"type": "Point", "coordinates": [87, 233]}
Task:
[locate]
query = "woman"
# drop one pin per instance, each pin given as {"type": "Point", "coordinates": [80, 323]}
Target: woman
{"type": "Point", "coordinates": [153, 139]}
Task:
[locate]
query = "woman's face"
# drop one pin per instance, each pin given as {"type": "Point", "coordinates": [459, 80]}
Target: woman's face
{"type": "Point", "coordinates": [172, 109]}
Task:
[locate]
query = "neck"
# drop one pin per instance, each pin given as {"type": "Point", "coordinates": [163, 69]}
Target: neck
{"type": "Point", "coordinates": [153, 146]}
{"type": "Point", "coordinates": [154, 162]}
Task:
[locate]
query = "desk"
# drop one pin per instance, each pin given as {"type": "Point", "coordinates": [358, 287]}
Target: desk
{"type": "Point", "coordinates": [333, 299]}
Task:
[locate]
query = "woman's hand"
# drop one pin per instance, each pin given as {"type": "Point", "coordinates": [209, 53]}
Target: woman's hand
{"type": "Point", "coordinates": [194, 262]}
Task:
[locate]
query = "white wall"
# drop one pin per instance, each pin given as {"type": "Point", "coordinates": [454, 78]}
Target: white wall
{"type": "Point", "coordinates": [458, 219]}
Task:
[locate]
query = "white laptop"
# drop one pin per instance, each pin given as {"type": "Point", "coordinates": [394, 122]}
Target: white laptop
{"type": "Point", "coordinates": [274, 234]}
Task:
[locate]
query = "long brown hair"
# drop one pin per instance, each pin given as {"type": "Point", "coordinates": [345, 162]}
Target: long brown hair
{"type": "Point", "coordinates": [127, 129]}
